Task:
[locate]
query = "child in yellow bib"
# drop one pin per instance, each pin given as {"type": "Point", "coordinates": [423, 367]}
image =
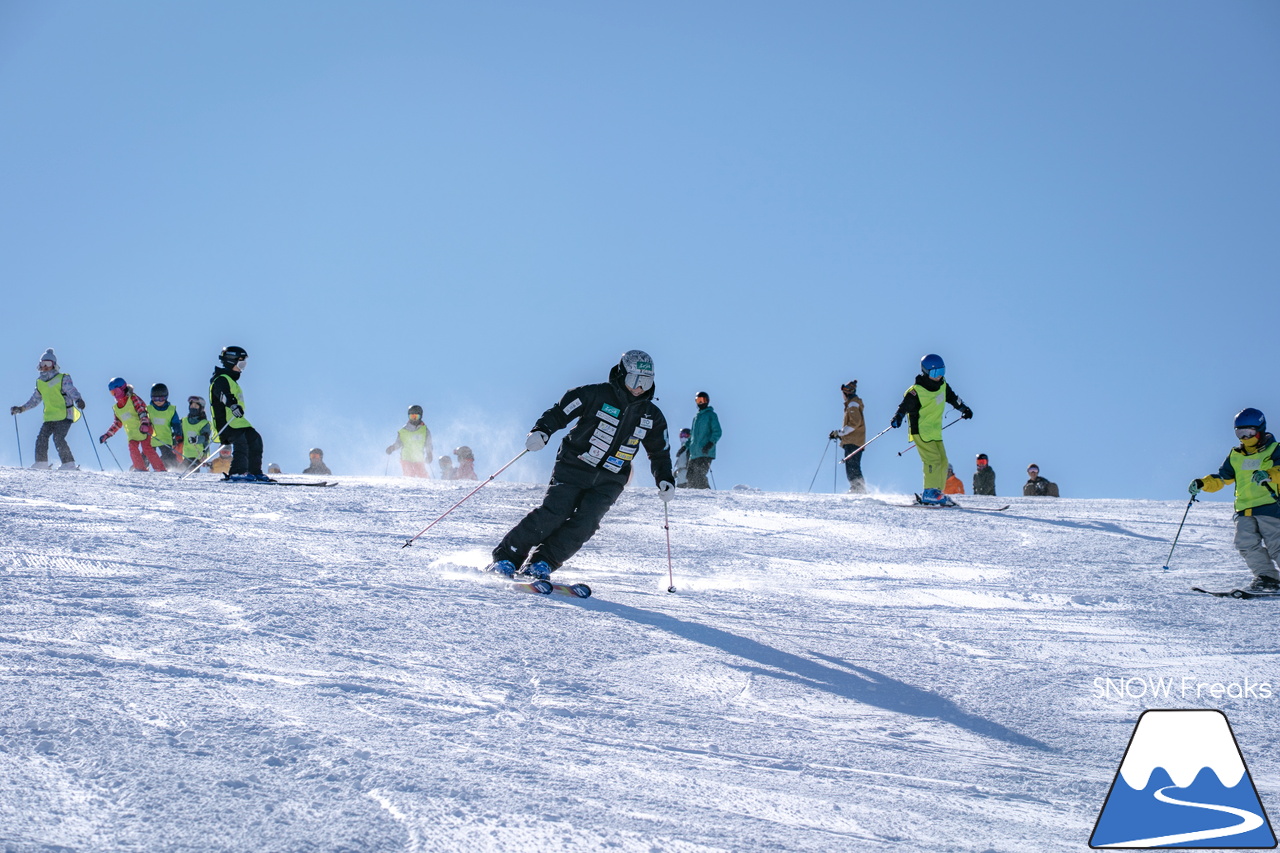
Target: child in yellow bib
{"type": "Point", "coordinates": [1254, 467]}
{"type": "Point", "coordinates": [62, 406]}
{"type": "Point", "coordinates": [923, 405]}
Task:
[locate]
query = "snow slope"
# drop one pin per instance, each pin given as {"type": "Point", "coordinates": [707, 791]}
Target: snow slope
{"type": "Point", "coordinates": [196, 666]}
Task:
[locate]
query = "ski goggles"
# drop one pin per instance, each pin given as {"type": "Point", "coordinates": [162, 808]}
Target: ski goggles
{"type": "Point", "coordinates": [46, 366]}
{"type": "Point", "coordinates": [1246, 432]}
{"type": "Point", "coordinates": [159, 398]}
{"type": "Point", "coordinates": [1033, 470]}
{"type": "Point", "coordinates": [937, 373]}
{"type": "Point", "coordinates": [641, 381]}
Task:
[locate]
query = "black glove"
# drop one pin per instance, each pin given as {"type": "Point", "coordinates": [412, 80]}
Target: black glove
{"type": "Point", "coordinates": [706, 448]}
{"type": "Point", "coordinates": [896, 422]}
{"type": "Point", "coordinates": [236, 411]}
{"type": "Point", "coordinates": [835, 434]}
{"type": "Point", "coordinates": [966, 412]}
{"type": "Point", "coordinates": [80, 404]}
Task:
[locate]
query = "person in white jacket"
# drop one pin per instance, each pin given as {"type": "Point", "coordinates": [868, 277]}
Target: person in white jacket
{"type": "Point", "coordinates": [62, 407]}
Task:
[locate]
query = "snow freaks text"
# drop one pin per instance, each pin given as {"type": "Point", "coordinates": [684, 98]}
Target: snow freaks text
{"type": "Point", "coordinates": [1128, 688]}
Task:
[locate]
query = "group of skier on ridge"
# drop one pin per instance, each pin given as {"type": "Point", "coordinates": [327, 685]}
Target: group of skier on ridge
{"type": "Point", "coordinates": [614, 419]}
{"type": "Point", "coordinates": [156, 433]}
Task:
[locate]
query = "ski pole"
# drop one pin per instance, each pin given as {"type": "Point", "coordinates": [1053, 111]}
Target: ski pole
{"type": "Point", "coordinates": [469, 494]}
{"type": "Point", "coordinates": [666, 525]}
{"type": "Point", "coordinates": [912, 446]}
{"type": "Point", "coordinates": [112, 452]}
{"type": "Point", "coordinates": [873, 438]}
{"type": "Point", "coordinates": [93, 444]}
{"type": "Point", "coordinates": [1179, 533]}
{"type": "Point", "coordinates": [17, 434]}
{"type": "Point", "coordinates": [217, 439]}
{"type": "Point", "coordinates": [825, 450]}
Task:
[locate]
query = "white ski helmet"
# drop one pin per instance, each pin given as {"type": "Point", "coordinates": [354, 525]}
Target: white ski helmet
{"type": "Point", "coordinates": [638, 367]}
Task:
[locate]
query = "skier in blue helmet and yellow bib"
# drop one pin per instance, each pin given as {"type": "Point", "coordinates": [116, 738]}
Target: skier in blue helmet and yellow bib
{"type": "Point", "coordinates": [922, 407]}
{"type": "Point", "coordinates": [1254, 467]}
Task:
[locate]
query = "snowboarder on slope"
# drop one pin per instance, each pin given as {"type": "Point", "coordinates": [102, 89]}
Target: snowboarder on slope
{"type": "Point", "coordinates": [922, 406]}
{"type": "Point", "coordinates": [62, 407]}
{"type": "Point", "coordinates": [131, 413]}
{"type": "Point", "coordinates": [1037, 486]}
{"type": "Point", "coordinates": [852, 435]}
{"type": "Point", "coordinates": [229, 421]}
{"type": "Point", "coordinates": [1254, 467]}
{"type": "Point", "coordinates": [614, 419]}
{"type": "Point", "coordinates": [413, 440]}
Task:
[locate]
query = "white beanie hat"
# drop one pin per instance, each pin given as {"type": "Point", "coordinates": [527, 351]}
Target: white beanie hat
{"type": "Point", "coordinates": [49, 356]}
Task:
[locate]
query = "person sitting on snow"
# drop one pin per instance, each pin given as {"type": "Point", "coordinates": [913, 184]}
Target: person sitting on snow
{"type": "Point", "coordinates": [1037, 486]}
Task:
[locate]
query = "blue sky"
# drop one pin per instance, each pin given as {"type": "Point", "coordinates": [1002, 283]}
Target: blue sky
{"type": "Point", "coordinates": [476, 206]}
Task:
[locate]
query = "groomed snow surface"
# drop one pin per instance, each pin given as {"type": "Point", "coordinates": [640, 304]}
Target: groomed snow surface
{"type": "Point", "coordinates": [193, 666]}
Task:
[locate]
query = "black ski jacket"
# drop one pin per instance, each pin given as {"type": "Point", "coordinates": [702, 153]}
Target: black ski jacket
{"type": "Point", "coordinates": [220, 397]}
{"type": "Point", "coordinates": [612, 426]}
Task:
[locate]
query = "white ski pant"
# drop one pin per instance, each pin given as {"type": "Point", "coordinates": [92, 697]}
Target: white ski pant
{"type": "Point", "coordinates": [1258, 541]}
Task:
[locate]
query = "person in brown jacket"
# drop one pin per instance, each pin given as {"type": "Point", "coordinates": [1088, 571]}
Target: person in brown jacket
{"type": "Point", "coordinates": [852, 436]}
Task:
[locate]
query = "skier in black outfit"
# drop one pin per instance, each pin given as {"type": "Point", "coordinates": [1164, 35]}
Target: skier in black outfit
{"type": "Point", "coordinates": [229, 422]}
{"type": "Point", "coordinates": [615, 419]}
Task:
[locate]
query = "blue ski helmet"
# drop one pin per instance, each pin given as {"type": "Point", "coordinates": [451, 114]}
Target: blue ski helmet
{"type": "Point", "coordinates": [933, 366]}
{"type": "Point", "coordinates": [117, 383]}
{"type": "Point", "coordinates": [1251, 418]}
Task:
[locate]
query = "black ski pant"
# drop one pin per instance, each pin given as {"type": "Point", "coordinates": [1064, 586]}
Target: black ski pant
{"type": "Point", "coordinates": [698, 470]}
{"type": "Point", "coordinates": [246, 449]}
{"type": "Point", "coordinates": [570, 514]}
{"type": "Point", "coordinates": [853, 466]}
{"type": "Point", "coordinates": [57, 429]}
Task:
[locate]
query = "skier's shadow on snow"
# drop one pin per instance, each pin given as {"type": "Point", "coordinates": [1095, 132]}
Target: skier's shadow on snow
{"type": "Point", "coordinates": [1091, 525]}
{"type": "Point", "coordinates": [842, 679]}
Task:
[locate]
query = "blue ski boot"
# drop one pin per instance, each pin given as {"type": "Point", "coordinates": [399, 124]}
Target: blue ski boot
{"type": "Point", "coordinates": [539, 570]}
{"type": "Point", "coordinates": [935, 497]}
{"type": "Point", "coordinates": [503, 567]}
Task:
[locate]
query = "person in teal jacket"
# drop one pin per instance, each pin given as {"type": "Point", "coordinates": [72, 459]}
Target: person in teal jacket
{"type": "Point", "coordinates": [1254, 467]}
{"type": "Point", "coordinates": [705, 434]}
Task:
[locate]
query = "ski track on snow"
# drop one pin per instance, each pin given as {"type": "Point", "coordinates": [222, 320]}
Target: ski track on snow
{"type": "Point", "coordinates": [191, 666]}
